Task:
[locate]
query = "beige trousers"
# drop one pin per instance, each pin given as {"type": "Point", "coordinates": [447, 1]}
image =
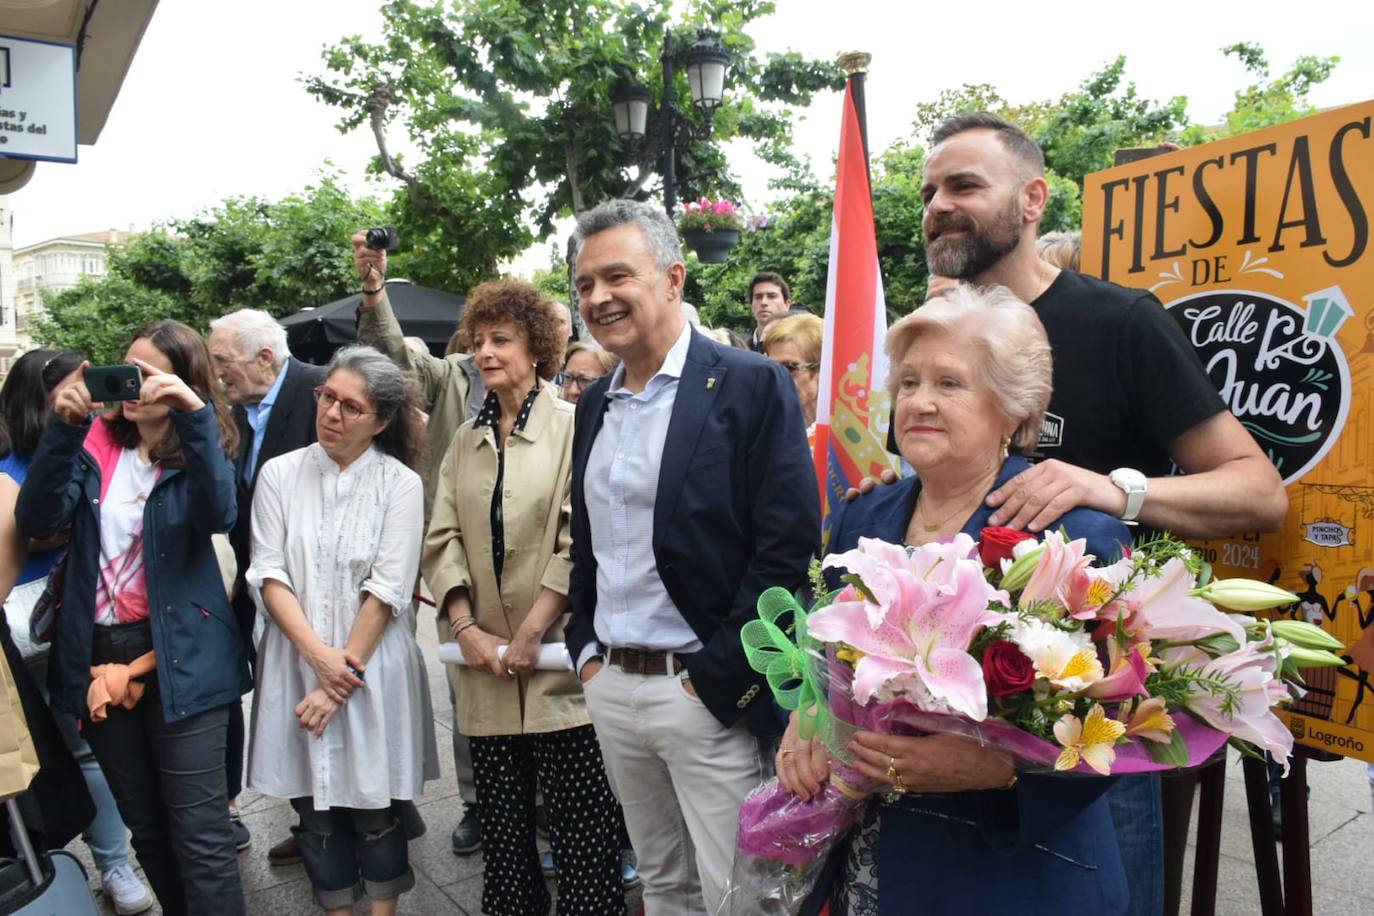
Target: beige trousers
{"type": "Point", "coordinates": [680, 777]}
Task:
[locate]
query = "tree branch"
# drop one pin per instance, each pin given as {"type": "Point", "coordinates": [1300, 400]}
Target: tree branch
{"type": "Point", "coordinates": [637, 183]}
{"type": "Point", "coordinates": [377, 105]}
{"type": "Point", "coordinates": [574, 182]}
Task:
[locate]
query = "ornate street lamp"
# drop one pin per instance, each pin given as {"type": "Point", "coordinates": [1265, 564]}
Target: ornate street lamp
{"type": "Point", "coordinates": [707, 63]}
{"type": "Point", "coordinates": [630, 102]}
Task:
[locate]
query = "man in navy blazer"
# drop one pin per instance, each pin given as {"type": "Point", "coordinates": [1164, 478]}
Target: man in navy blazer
{"type": "Point", "coordinates": [693, 491]}
{"type": "Point", "coordinates": [274, 409]}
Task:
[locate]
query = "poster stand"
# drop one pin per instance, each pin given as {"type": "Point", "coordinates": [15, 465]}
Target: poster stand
{"type": "Point", "coordinates": [1290, 895]}
{"type": "Point", "coordinates": [1262, 835]}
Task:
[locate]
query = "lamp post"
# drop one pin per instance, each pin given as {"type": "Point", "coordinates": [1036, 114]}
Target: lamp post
{"type": "Point", "coordinates": [707, 61]}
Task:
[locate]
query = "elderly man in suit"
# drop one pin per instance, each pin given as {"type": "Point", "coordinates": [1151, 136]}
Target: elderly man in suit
{"type": "Point", "coordinates": [274, 407]}
{"type": "Point", "coordinates": [693, 491]}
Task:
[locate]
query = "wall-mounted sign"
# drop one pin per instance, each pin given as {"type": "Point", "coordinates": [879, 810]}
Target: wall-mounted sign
{"type": "Point", "coordinates": [1259, 246]}
{"type": "Point", "coordinates": [37, 100]}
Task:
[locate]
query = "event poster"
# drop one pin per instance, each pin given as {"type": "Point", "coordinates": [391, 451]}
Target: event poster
{"type": "Point", "coordinates": [1259, 246]}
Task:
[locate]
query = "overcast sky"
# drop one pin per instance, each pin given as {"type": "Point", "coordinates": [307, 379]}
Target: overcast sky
{"type": "Point", "coordinates": [212, 105]}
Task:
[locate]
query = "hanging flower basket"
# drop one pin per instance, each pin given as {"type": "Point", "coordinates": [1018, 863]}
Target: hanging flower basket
{"type": "Point", "coordinates": [710, 228]}
{"type": "Point", "coordinates": [711, 245]}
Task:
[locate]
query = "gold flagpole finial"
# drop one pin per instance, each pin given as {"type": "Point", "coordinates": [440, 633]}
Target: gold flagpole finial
{"type": "Point", "coordinates": [855, 61]}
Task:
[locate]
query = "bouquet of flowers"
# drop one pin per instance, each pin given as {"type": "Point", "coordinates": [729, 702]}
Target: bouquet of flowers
{"type": "Point", "coordinates": [709, 215]}
{"type": "Point", "coordinates": [1029, 648]}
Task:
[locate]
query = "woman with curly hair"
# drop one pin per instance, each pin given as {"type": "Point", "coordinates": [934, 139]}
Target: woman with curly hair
{"type": "Point", "coordinates": [497, 558]}
{"type": "Point", "coordinates": [145, 623]}
{"type": "Point", "coordinates": [342, 722]}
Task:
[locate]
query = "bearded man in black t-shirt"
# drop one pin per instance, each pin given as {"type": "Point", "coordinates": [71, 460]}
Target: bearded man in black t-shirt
{"type": "Point", "coordinates": [1132, 406]}
{"type": "Point", "coordinates": [1131, 398]}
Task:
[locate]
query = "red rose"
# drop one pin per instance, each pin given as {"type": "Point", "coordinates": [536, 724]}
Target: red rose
{"type": "Point", "coordinates": [1006, 670]}
{"type": "Point", "coordinates": [995, 544]}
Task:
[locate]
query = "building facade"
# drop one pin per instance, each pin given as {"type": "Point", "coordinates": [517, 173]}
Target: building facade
{"type": "Point", "coordinates": [48, 268]}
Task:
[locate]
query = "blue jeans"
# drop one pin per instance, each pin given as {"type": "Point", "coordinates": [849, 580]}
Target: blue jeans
{"type": "Point", "coordinates": [1139, 819]}
{"type": "Point", "coordinates": [107, 837]}
{"type": "Point", "coordinates": [349, 851]}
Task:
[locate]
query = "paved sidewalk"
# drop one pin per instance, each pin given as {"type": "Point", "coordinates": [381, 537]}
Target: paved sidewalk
{"type": "Point", "coordinates": [1342, 842]}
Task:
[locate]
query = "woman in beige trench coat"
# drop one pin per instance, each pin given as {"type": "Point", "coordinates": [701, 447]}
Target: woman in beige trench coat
{"type": "Point", "coordinates": [497, 558]}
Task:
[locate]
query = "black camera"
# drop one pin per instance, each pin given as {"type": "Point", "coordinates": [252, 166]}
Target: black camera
{"type": "Point", "coordinates": [382, 238]}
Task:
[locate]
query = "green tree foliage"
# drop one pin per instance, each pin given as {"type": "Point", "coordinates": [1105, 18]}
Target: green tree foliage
{"type": "Point", "coordinates": [796, 244]}
{"type": "Point", "coordinates": [1267, 102]}
{"type": "Point", "coordinates": [244, 253]}
{"type": "Point", "coordinates": [507, 105]}
{"type": "Point", "coordinates": [1080, 131]}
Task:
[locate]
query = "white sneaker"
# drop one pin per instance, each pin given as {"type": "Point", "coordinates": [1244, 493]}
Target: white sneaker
{"type": "Point", "coordinates": [125, 891]}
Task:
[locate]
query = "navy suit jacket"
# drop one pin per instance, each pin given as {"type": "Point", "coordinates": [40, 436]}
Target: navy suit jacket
{"type": "Point", "coordinates": [737, 511]}
{"type": "Point", "coordinates": [290, 426]}
{"type": "Point", "coordinates": [1024, 850]}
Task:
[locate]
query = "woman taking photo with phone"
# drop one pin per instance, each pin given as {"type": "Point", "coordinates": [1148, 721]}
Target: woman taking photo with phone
{"type": "Point", "coordinates": [26, 401]}
{"type": "Point", "coordinates": [143, 609]}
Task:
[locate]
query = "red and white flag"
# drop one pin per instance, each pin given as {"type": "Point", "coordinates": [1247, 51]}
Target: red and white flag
{"type": "Point", "coordinates": [852, 415]}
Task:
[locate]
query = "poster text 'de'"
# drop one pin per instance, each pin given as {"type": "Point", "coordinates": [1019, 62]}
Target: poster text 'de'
{"type": "Point", "coordinates": [1259, 246]}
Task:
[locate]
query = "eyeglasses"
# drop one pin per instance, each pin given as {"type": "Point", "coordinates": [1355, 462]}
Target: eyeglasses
{"type": "Point", "coordinates": [582, 380]}
{"type": "Point", "coordinates": [349, 410]}
{"type": "Point", "coordinates": [794, 368]}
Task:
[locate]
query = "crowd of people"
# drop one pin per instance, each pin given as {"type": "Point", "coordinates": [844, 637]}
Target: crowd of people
{"type": "Point", "coordinates": [593, 522]}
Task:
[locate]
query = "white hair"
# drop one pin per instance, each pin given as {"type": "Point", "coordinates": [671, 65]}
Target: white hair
{"type": "Point", "coordinates": [254, 330]}
{"type": "Point", "coordinates": [1013, 354]}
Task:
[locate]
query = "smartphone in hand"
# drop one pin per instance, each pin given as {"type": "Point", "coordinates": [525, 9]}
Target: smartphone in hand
{"type": "Point", "coordinates": [113, 383]}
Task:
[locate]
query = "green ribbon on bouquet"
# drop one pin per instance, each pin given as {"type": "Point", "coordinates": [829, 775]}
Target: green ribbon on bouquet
{"type": "Point", "coordinates": [783, 659]}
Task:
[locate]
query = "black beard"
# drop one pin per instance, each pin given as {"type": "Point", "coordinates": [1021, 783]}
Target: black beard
{"type": "Point", "coordinates": [974, 252]}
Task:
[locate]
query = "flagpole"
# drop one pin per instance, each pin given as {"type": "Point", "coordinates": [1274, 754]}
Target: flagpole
{"type": "Point", "coordinates": [855, 63]}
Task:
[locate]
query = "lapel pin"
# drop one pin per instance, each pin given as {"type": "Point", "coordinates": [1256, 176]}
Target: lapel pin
{"type": "Point", "coordinates": [710, 383]}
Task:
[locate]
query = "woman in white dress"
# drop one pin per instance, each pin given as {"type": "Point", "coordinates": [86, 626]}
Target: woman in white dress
{"type": "Point", "coordinates": [342, 723]}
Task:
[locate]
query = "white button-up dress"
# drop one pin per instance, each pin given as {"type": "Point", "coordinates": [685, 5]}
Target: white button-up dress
{"type": "Point", "coordinates": [333, 537]}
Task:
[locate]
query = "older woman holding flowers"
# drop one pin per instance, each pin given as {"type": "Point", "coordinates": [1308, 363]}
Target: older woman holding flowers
{"type": "Point", "coordinates": [970, 379]}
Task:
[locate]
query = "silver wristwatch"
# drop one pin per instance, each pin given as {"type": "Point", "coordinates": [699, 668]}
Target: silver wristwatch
{"type": "Point", "coordinates": [1133, 484]}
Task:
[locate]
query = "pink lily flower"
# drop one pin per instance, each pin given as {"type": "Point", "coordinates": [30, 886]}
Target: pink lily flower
{"type": "Point", "coordinates": [915, 642]}
{"type": "Point", "coordinates": [1061, 576]}
{"type": "Point", "coordinates": [1162, 609]}
{"type": "Point", "coordinates": [1252, 669]}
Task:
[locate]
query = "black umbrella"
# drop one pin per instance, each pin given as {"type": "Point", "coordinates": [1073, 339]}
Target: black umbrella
{"type": "Point", "coordinates": [429, 314]}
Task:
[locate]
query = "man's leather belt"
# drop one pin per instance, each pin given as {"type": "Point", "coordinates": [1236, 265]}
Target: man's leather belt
{"type": "Point", "coordinates": [644, 661]}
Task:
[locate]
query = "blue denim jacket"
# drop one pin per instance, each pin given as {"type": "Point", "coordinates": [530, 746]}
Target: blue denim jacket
{"type": "Point", "coordinates": [201, 662]}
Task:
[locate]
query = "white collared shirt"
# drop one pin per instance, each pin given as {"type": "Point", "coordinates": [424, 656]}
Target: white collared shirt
{"type": "Point", "coordinates": [620, 487]}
